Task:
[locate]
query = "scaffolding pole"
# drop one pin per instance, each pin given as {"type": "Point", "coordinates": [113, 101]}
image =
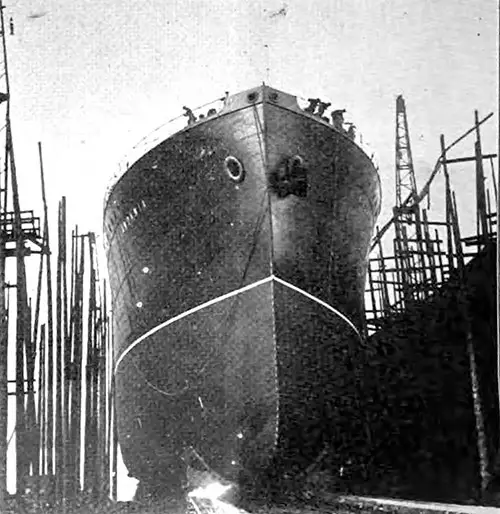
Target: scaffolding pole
{"type": "Point", "coordinates": [4, 402]}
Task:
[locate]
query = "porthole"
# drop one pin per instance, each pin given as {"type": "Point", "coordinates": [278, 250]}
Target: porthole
{"type": "Point", "coordinates": [252, 97]}
{"type": "Point", "coordinates": [273, 97]}
{"type": "Point", "coordinates": [234, 169]}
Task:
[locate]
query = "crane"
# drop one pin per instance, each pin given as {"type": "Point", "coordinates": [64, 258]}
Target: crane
{"type": "Point", "coordinates": [406, 185]}
{"type": "Point", "coordinates": [408, 241]}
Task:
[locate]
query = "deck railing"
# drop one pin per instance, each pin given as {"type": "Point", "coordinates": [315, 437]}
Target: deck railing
{"type": "Point", "coordinates": [207, 110]}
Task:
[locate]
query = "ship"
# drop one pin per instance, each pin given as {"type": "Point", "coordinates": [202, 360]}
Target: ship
{"type": "Point", "coordinates": [237, 252]}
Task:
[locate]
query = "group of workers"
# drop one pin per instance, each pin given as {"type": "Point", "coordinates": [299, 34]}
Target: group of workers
{"type": "Point", "coordinates": [318, 108]}
{"type": "Point", "coordinates": [192, 118]}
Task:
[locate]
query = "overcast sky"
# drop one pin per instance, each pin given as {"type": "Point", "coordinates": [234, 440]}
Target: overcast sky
{"type": "Point", "coordinates": [89, 79]}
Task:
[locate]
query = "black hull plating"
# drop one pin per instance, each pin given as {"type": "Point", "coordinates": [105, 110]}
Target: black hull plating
{"type": "Point", "coordinates": [238, 308]}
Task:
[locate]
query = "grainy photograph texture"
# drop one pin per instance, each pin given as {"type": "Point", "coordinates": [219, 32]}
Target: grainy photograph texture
{"type": "Point", "coordinates": [248, 256]}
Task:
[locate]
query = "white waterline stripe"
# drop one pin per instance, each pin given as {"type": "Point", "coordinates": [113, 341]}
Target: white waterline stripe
{"type": "Point", "coordinates": [225, 297]}
{"type": "Point", "coordinates": [317, 300]}
{"type": "Point", "coordinates": [187, 313]}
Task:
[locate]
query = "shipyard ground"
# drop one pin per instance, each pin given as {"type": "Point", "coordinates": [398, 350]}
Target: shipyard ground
{"type": "Point", "coordinates": [326, 504]}
{"type": "Point", "coordinates": [316, 496]}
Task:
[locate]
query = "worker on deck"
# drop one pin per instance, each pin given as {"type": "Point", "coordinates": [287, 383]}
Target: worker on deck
{"type": "Point", "coordinates": [189, 113]}
{"type": "Point", "coordinates": [338, 119]}
{"type": "Point", "coordinates": [323, 106]}
{"type": "Point", "coordinates": [351, 132]}
{"type": "Point", "coordinates": [313, 103]}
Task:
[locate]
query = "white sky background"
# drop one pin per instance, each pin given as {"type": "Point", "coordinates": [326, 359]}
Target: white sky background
{"type": "Point", "coordinates": [90, 79]}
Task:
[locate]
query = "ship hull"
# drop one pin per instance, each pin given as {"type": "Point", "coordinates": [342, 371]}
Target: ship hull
{"type": "Point", "coordinates": [239, 303]}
